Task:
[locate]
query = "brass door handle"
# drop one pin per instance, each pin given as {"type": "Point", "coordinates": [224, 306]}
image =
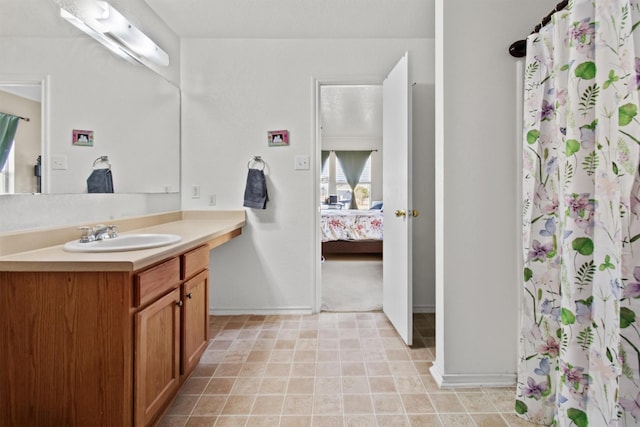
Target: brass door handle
{"type": "Point", "coordinates": [415, 213]}
{"type": "Point", "coordinates": [401, 212]}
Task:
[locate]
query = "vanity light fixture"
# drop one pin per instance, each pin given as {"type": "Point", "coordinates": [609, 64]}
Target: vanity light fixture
{"type": "Point", "coordinates": [111, 29]}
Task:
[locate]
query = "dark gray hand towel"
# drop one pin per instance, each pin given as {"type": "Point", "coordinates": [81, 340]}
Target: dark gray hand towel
{"type": "Point", "coordinates": [255, 192]}
{"type": "Point", "coordinates": [100, 181]}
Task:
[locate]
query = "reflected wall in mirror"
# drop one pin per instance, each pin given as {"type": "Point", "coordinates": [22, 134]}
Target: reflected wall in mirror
{"type": "Point", "coordinates": [133, 112]}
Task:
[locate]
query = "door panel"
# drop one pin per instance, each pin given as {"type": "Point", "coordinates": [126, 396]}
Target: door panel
{"type": "Point", "coordinates": [397, 246]}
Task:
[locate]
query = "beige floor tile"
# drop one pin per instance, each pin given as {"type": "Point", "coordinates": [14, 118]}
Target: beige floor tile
{"type": "Point", "coordinates": [382, 384]}
{"type": "Point", "coordinates": [355, 385]}
{"type": "Point", "coordinates": [409, 385]}
{"type": "Point", "coordinates": [446, 402]}
{"type": "Point", "coordinates": [277, 370]}
{"type": "Point", "coordinates": [183, 404]}
{"type": "Point", "coordinates": [328, 421]}
{"type": "Point", "coordinates": [387, 403]}
{"type": "Point", "coordinates": [515, 421]}
{"type": "Point", "coordinates": [195, 385]}
{"type": "Point", "coordinates": [295, 421]}
{"type": "Point", "coordinates": [417, 403]}
{"type": "Point", "coordinates": [228, 370]}
{"type": "Point", "coordinates": [328, 356]}
{"type": "Point", "coordinates": [302, 385]}
{"type": "Point", "coordinates": [393, 420]}
{"type": "Point", "coordinates": [353, 369]}
{"type": "Point", "coordinates": [256, 369]}
{"type": "Point", "coordinates": [298, 404]}
{"type": "Point", "coordinates": [281, 356]}
{"type": "Point", "coordinates": [502, 399]}
{"type": "Point", "coordinates": [476, 402]}
{"type": "Point", "coordinates": [457, 420]}
{"type": "Point", "coordinates": [273, 386]}
{"type": "Point", "coordinates": [245, 386]}
{"type": "Point", "coordinates": [489, 420]}
{"type": "Point", "coordinates": [304, 356]}
{"type": "Point", "coordinates": [378, 369]}
{"type": "Point", "coordinates": [238, 405]}
{"type": "Point", "coordinates": [231, 421]}
{"type": "Point", "coordinates": [328, 369]}
{"type": "Point", "coordinates": [356, 420]}
{"type": "Point", "coordinates": [263, 421]}
{"type": "Point", "coordinates": [268, 405]}
{"type": "Point", "coordinates": [327, 404]}
{"type": "Point", "coordinates": [327, 385]}
{"type": "Point", "coordinates": [219, 386]}
{"type": "Point", "coordinates": [303, 369]}
{"type": "Point", "coordinates": [210, 405]}
{"type": "Point", "coordinates": [173, 421]}
{"type": "Point", "coordinates": [424, 420]}
{"type": "Point", "coordinates": [201, 422]}
{"type": "Point", "coordinates": [402, 368]}
{"type": "Point", "coordinates": [357, 404]}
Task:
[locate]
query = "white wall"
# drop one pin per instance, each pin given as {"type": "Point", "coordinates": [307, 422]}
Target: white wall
{"type": "Point", "coordinates": [234, 91]}
{"type": "Point", "coordinates": [477, 180]}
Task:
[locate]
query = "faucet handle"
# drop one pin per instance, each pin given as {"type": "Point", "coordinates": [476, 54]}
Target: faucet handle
{"type": "Point", "coordinates": [87, 234]}
{"type": "Point", "coordinates": [111, 230]}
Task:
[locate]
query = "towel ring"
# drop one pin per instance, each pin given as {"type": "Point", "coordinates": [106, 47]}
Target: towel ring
{"type": "Point", "coordinates": [102, 159]}
{"type": "Point", "coordinates": [256, 159]}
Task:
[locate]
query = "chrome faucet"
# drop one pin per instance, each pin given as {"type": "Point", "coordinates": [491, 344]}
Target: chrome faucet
{"type": "Point", "coordinates": [99, 232]}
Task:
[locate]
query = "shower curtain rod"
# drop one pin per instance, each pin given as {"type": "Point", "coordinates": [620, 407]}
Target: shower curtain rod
{"type": "Point", "coordinates": [26, 119]}
{"type": "Point", "coordinates": [518, 49]}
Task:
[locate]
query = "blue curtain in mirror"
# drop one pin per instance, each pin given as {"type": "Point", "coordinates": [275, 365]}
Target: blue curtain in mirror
{"type": "Point", "coordinates": [8, 128]}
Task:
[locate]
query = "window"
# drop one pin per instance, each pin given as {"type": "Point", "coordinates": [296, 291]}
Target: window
{"type": "Point", "coordinates": [336, 183]}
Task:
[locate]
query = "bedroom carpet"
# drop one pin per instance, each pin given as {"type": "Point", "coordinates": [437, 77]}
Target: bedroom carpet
{"type": "Point", "coordinates": [352, 283]}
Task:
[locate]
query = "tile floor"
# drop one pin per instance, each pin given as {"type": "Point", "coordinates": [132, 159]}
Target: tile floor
{"type": "Point", "coordinates": [327, 369]}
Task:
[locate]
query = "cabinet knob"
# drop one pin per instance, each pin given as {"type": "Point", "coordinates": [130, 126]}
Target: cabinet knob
{"type": "Point", "coordinates": [189, 295]}
{"type": "Point", "coordinates": [179, 303]}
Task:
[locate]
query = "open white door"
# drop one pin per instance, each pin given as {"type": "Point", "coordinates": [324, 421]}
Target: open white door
{"type": "Point", "coordinates": [397, 298]}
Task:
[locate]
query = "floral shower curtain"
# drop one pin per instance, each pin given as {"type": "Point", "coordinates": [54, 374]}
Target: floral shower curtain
{"type": "Point", "coordinates": [580, 341]}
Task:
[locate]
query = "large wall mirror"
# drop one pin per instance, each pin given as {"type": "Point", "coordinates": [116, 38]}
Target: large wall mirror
{"type": "Point", "coordinates": [63, 81]}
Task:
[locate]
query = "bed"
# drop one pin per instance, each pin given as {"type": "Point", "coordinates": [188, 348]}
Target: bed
{"type": "Point", "coordinates": [347, 231]}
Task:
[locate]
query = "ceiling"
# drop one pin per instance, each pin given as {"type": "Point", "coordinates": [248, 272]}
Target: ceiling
{"type": "Point", "coordinates": [352, 111]}
{"type": "Point", "coordinates": [298, 18]}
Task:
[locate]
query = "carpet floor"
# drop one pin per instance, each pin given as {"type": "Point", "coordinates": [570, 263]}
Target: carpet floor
{"type": "Point", "coordinates": [352, 283]}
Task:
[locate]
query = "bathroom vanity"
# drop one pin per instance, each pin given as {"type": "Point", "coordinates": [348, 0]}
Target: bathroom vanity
{"type": "Point", "coordinates": [105, 339]}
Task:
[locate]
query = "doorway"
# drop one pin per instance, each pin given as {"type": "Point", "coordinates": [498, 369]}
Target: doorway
{"type": "Point", "coordinates": [350, 124]}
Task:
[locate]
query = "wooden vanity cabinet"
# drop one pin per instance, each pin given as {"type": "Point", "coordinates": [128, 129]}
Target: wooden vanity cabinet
{"type": "Point", "coordinates": [171, 333]}
{"type": "Point", "coordinates": [107, 348]}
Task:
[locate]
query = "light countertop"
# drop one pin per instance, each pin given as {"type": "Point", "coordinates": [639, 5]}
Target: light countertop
{"type": "Point", "coordinates": [41, 250]}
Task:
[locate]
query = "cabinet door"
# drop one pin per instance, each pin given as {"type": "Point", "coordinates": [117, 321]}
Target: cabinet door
{"type": "Point", "coordinates": [195, 320]}
{"type": "Point", "coordinates": [157, 356]}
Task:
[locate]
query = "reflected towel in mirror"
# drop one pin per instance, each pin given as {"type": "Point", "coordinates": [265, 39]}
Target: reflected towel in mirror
{"type": "Point", "coordinates": [100, 181]}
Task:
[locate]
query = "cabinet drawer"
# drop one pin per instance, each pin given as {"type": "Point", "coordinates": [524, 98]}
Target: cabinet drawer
{"type": "Point", "coordinates": [195, 261]}
{"type": "Point", "coordinates": [155, 281]}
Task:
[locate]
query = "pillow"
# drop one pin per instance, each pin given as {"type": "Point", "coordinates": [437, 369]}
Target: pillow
{"type": "Point", "coordinates": [376, 205]}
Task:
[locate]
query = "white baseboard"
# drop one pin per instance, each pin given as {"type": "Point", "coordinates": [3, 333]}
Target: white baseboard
{"type": "Point", "coordinates": [259, 311]}
{"type": "Point", "coordinates": [424, 308]}
{"type": "Point", "coordinates": [471, 380]}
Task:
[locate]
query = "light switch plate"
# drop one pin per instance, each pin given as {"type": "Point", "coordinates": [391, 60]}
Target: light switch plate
{"type": "Point", "coordinates": [302, 163]}
{"type": "Point", "coordinates": [59, 162]}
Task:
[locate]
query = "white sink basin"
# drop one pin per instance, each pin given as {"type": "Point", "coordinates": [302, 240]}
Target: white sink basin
{"type": "Point", "coordinates": [124, 242]}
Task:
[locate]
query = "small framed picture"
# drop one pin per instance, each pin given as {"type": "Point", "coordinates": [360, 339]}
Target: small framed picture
{"type": "Point", "coordinates": [278, 137]}
{"type": "Point", "coordinates": [82, 137]}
